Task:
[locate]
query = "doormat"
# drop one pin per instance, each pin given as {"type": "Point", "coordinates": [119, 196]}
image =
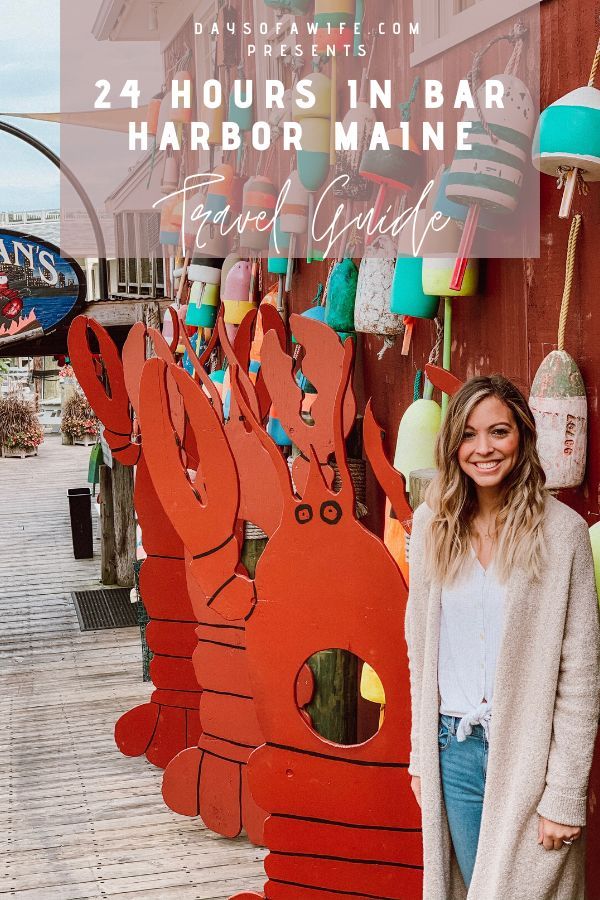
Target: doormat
{"type": "Point", "coordinates": [101, 608]}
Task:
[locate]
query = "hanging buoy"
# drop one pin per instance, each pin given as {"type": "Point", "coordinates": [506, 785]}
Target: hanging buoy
{"type": "Point", "coordinates": [219, 194]}
{"type": "Point", "coordinates": [297, 7]}
{"type": "Point", "coordinates": [313, 160]}
{"type": "Point", "coordinates": [241, 113]}
{"type": "Point", "coordinates": [205, 277]}
{"type": "Point", "coordinates": [417, 433]}
{"type": "Point", "coordinates": [347, 162]}
{"type": "Point", "coordinates": [558, 400]}
{"type": "Point", "coordinates": [278, 262]}
{"type": "Point", "coordinates": [394, 170]}
{"type": "Point", "coordinates": [490, 174]}
{"type": "Point", "coordinates": [407, 297]}
{"type": "Point", "coordinates": [567, 139]}
{"type": "Point", "coordinates": [230, 261]}
{"type": "Point", "coordinates": [278, 255]}
{"type": "Point", "coordinates": [236, 296]}
{"type": "Point", "coordinates": [260, 197]}
{"type": "Point", "coordinates": [437, 275]}
{"type": "Point", "coordinates": [170, 222]}
{"type": "Point", "coordinates": [341, 296]}
{"type": "Point", "coordinates": [372, 314]}
{"type": "Point", "coordinates": [334, 20]}
{"type": "Point", "coordinates": [294, 219]}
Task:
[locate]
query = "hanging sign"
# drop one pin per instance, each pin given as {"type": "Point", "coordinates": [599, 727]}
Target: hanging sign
{"type": "Point", "coordinates": [39, 289]}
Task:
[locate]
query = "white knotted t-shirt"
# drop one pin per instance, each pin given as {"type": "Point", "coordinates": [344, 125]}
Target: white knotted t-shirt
{"type": "Point", "coordinates": [472, 618]}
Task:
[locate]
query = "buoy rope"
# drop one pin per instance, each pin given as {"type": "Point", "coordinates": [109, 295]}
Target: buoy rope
{"type": "Point", "coordinates": [569, 270]}
{"type": "Point", "coordinates": [417, 387]}
{"type": "Point", "coordinates": [595, 65]}
{"type": "Point", "coordinates": [516, 36]}
{"type": "Point", "coordinates": [405, 108]}
{"type": "Point", "coordinates": [434, 356]}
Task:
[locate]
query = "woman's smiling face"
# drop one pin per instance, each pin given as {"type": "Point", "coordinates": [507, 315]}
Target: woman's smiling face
{"type": "Point", "coordinates": [490, 444]}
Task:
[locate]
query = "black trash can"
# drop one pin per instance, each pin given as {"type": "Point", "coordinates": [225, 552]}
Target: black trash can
{"type": "Point", "coordinates": [80, 510]}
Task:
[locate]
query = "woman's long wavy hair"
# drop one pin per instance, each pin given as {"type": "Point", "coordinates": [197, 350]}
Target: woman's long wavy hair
{"type": "Point", "coordinates": [452, 496]}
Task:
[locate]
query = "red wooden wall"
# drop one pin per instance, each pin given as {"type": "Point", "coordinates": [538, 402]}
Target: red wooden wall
{"type": "Point", "coordinates": [513, 324]}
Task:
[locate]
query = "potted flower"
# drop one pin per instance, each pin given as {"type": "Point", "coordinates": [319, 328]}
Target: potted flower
{"type": "Point", "coordinates": [20, 432]}
{"type": "Point", "coordinates": [78, 421]}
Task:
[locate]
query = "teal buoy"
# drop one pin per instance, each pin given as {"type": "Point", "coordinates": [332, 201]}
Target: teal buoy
{"type": "Point", "coordinates": [408, 297]}
{"type": "Point", "coordinates": [341, 296]}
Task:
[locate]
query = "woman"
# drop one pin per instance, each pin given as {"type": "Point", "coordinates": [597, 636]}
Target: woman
{"type": "Point", "coordinates": [502, 634]}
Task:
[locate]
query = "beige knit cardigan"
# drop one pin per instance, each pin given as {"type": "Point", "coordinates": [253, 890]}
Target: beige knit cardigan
{"type": "Point", "coordinates": [543, 727]}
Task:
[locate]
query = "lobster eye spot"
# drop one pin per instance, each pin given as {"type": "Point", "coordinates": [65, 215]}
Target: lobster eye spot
{"type": "Point", "coordinates": [331, 512]}
{"type": "Point", "coordinates": [303, 513]}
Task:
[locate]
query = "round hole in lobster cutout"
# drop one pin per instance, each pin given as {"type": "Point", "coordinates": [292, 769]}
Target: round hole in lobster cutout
{"type": "Point", "coordinates": [340, 696]}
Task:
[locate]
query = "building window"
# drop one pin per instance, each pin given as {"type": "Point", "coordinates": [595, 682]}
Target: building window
{"type": "Point", "coordinates": [445, 23]}
{"type": "Point", "coordinates": [139, 269]}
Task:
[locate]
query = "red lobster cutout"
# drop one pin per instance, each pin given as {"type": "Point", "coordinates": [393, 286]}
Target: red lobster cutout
{"type": "Point", "coordinates": [210, 780]}
{"type": "Point", "coordinates": [342, 820]}
{"type": "Point", "coordinates": [169, 721]}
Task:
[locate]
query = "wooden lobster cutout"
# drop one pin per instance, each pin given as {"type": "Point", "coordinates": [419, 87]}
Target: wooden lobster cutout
{"type": "Point", "coordinates": [210, 780]}
{"type": "Point", "coordinates": [342, 819]}
{"type": "Point", "coordinates": [169, 722]}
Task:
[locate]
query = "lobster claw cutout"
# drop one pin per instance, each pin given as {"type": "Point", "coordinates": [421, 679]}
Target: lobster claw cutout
{"type": "Point", "coordinates": [209, 780]}
{"type": "Point", "coordinates": [442, 379]}
{"type": "Point", "coordinates": [168, 723]}
{"type": "Point", "coordinates": [110, 404]}
{"type": "Point", "coordinates": [260, 495]}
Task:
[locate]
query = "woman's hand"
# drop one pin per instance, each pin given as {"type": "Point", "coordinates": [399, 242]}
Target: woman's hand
{"type": "Point", "coordinates": [552, 835]}
{"type": "Point", "coordinates": [416, 788]}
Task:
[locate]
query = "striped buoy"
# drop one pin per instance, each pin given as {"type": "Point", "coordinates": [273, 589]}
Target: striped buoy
{"type": "Point", "coordinates": [313, 160]}
{"type": "Point", "coordinates": [395, 169]}
{"type": "Point", "coordinates": [490, 174]}
{"type": "Point", "coordinates": [567, 138]}
{"type": "Point", "coordinates": [558, 400]}
{"type": "Point", "coordinates": [294, 218]}
{"type": "Point", "coordinates": [260, 197]}
{"type": "Point", "coordinates": [568, 135]}
{"type": "Point", "coordinates": [218, 195]}
{"type": "Point", "coordinates": [335, 24]}
{"type": "Point", "coordinates": [205, 277]}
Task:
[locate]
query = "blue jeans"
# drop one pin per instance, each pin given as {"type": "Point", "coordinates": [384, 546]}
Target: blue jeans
{"type": "Point", "coordinates": [463, 769]}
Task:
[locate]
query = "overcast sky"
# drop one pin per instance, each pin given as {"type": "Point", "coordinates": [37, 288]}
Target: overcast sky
{"type": "Point", "coordinates": [29, 82]}
{"type": "Point", "coordinates": [30, 73]}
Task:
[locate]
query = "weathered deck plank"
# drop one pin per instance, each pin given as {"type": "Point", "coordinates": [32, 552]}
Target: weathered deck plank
{"type": "Point", "coordinates": [77, 819]}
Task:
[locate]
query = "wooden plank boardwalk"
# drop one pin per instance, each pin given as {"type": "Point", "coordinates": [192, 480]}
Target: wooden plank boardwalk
{"type": "Point", "coordinates": [77, 819]}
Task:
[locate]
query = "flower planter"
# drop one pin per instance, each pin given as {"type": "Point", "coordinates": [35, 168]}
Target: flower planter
{"type": "Point", "coordinates": [19, 452]}
{"type": "Point", "coordinates": [85, 440]}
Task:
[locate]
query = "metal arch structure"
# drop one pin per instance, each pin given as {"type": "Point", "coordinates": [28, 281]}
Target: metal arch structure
{"type": "Point", "coordinates": [21, 135]}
